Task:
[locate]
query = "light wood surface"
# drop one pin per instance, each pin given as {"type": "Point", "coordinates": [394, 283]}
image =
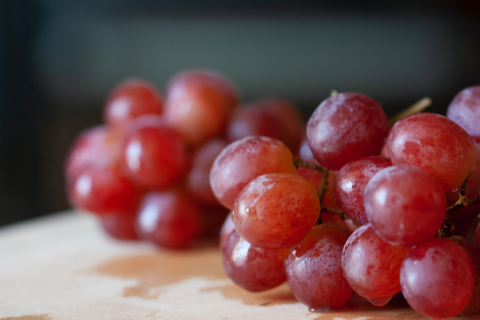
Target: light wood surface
{"type": "Point", "coordinates": [64, 267]}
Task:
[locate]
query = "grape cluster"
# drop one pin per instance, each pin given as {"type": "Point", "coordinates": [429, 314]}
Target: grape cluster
{"type": "Point", "coordinates": [146, 172]}
{"type": "Point", "coordinates": [407, 222]}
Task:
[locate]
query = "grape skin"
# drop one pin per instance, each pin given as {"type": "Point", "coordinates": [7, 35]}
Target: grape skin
{"type": "Point", "coordinates": [169, 219]}
{"type": "Point", "coordinates": [437, 278]}
{"type": "Point", "coordinates": [244, 160]}
{"type": "Point", "coordinates": [119, 226]}
{"type": "Point", "coordinates": [252, 121]}
{"type": "Point", "coordinates": [129, 100]}
{"type": "Point", "coordinates": [314, 271]}
{"type": "Point", "coordinates": [434, 143]}
{"type": "Point", "coordinates": [253, 268]}
{"type": "Point", "coordinates": [276, 210]}
{"type": "Point", "coordinates": [465, 110]}
{"type": "Point", "coordinates": [350, 183]}
{"type": "Point", "coordinates": [346, 127]}
{"type": "Point", "coordinates": [405, 205]}
{"type": "Point", "coordinates": [372, 266]}
{"type": "Point", "coordinates": [153, 155]}
{"type": "Point", "coordinates": [227, 227]}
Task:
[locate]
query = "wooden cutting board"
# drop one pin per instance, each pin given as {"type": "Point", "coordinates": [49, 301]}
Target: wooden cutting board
{"type": "Point", "coordinates": [65, 267]}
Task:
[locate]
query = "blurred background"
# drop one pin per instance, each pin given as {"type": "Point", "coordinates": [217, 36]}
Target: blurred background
{"type": "Point", "coordinates": [60, 59]}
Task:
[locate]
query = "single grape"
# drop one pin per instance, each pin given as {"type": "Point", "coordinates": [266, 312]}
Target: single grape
{"type": "Point", "coordinates": [120, 226]}
{"type": "Point", "coordinates": [473, 305]}
{"type": "Point", "coordinates": [465, 110]}
{"type": "Point", "coordinates": [371, 266]}
{"type": "Point", "coordinates": [131, 99]}
{"type": "Point", "coordinates": [434, 143]}
{"type": "Point", "coordinates": [253, 268]}
{"type": "Point", "coordinates": [199, 104]}
{"type": "Point", "coordinates": [170, 219]}
{"type": "Point", "coordinates": [314, 271]}
{"type": "Point", "coordinates": [405, 205]}
{"type": "Point", "coordinates": [253, 121]}
{"type": "Point", "coordinates": [244, 160]}
{"type": "Point", "coordinates": [198, 181]}
{"type": "Point", "coordinates": [94, 146]}
{"type": "Point", "coordinates": [288, 118]}
{"type": "Point", "coordinates": [350, 183]}
{"type": "Point", "coordinates": [153, 155]}
{"type": "Point", "coordinates": [346, 127]}
{"type": "Point", "coordinates": [276, 210]}
{"type": "Point", "coordinates": [103, 190]}
{"type": "Point", "coordinates": [227, 228]}
{"type": "Point", "coordinates": [437, 278]}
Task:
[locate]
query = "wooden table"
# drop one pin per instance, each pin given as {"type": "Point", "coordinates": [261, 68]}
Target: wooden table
{"type": "Point", "coordinates": [65, 267]}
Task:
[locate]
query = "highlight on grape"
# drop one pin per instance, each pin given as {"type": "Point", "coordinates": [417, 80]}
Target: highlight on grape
{"type": "Point", "coordinates": [349, 202]}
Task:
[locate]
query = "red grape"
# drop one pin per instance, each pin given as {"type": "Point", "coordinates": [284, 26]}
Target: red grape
{"type": "Point", "coordinates": [434, 143]}
{"type": "Point", "coordinates": [372, 266]}
{"type": "Point", "coordinates": [350, 183]}
{"type": "Point", "coordinates": [131, 99]}
{"type": "Point", "coordinates": [103, 190]}
{"type": "Point", "coordinates": [474, 305]}
{"type": "Point", "coordinates": [169, 219]}
{"type": "Point", "coordinates": [405, 205]}
{"type": "Point", "coordinates": [253, 268]}
{"type": "Point", "coordinates": [153, 155]}
{"type": "Point", "coordinates": [94, 146]}
{"type": "Point", "coordinates": [276, 210]}
{"type": "Point", "coordinates": [199, 104]}
{"type": "Point", "coordinates": [288, 119]}
{"type": "Point", "coordinates": [120, 226]}
{"type": "Point", "coordinates": [346, 127]}
{"type": "Point", "coordinates": [437, 278]}
{"type": "Point", "coordinates": [253, 121]}
{"type": "Point", "coordinates": [314, 271]}
{"type": "Point", "coordinates": [305, 152]}
{"type": "Point", "coordinates": [198, 182]}
{"type": "Point", "coordinates": [244, 160]}
{"type": "Point", "coordinates": [465, 110]}
{"type": "Point", "coordinates": [315, 178]}
{"type": "Point", "coordinates": [227, 228]}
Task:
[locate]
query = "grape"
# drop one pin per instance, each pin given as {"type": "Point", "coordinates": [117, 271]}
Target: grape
{"type": "Point", "coordinates": [474, 304]}
{"type": "Point", "coordinates": [437, 278]}
{"type": "Point", "coordinates": [199, 104]}
{"type": "Point", "coordinates": [252, 121]}
{"type": "Point", "coordinates": [372, 266]}
{"type": "Point", "coordinates": [94, 146]}
{"type": "Point", "coordinates": [153, 155]}
{"type": "Point", "coordinates": [227, 228]}
{"type": "Point", "coordinates": [472, 184]}
{"type": "Point", "coordinates": [315, 178]}
{"type": "Point", "coordinates": [350, 183]}
{"type": "Point", "coordinates": [131, 99]}
{"type": "Point", "coordinates": [120, 226]}
{"type": "Point", "coordinates": [346, 127]}
{"type": "Point", "coordinates": [465, 110]}
{"type": "Point", "coordinates": [170, 219]}
{"type": "Point", "coordinates": [276, 210]}
{"type": "Point", "coordinates": [288, 119]}
{"type": "Point", "coordinates": [253, 268]}
{"type": "Point", "coordinates": [103, 190]}
{"type": "Point", "coordinates": [434, 143]}
{"type": "Point", "coordinates": [314, 271]}
{"type": "Point", "coordinates": [244, 160]}
{"type": "Point", "coordinates": [198, 181]}
{"type": "Point", "coordinates": [405, 205]}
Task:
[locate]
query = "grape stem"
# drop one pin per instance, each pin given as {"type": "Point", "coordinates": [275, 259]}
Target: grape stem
{"type": "Point", "coordinates": [417, 107]}
{"type": "Point", "coordinates": [299, 163]}
{"type": "Point", "coordinates": [462, 198]}
{"type": "Point", "coordinates": [336, 212]}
